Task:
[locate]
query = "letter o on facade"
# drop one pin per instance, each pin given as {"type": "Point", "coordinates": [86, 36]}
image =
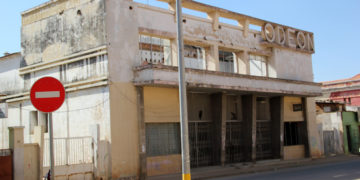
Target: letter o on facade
{"type": "Point", "coordinates": [269, 32]}
{"type": "Point", "coordinates": [300, 40]}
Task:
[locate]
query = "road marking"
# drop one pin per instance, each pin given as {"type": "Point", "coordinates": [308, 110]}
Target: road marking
{"type": "Point", "coordinates": [47, 94]}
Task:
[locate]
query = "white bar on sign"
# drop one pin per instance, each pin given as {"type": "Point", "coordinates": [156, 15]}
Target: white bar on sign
{"type": "Point", "coordinates": [47, 94]}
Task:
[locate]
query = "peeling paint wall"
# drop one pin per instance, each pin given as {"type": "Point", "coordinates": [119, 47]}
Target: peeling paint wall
{"type": "Point", "coordinates": [315, 145]}
{"type": "Point", "coordinates": [123, 49]}
{"type": "Point", "coordinates": [55, 31]}
{"type": "Point", "coordinates": [331, 123]}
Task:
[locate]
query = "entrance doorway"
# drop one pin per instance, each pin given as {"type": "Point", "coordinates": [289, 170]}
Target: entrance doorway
{"type": "Point", "coordinates": [348, 135]}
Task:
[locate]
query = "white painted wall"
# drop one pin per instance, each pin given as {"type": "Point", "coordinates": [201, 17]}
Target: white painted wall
{"type": "Point", "coordinates": [74, 118]}
{"type": "Point", "coordinates": [10, 81]}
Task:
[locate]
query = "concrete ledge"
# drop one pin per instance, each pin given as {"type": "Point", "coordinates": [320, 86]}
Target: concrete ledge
{"type": "Point", "coordinates": [160, 75]}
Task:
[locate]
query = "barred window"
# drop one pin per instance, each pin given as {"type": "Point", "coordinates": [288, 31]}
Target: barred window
{"type": "Point", "coordinates": [162, 139]}
{"type": "Point", "coordinates": [154, 50]}
{"type": "Point", "coordinates": [292, 131]}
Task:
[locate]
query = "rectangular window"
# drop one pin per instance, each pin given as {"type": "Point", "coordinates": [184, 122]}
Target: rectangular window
{"type": "Point", "coordinates": [154, 50]}
{"type": "Point", "coordinates": [33, 121]}
{"type": "Point", "coordinates": [162, 139]}
{"type": "Point", "coordinates": [258, 65]}
{"type": "Point", "coordinates": [292, 132]}
{"type": "Point", "coordinates": [194, 57]}
{"type": "Point", "coordinates": [38, 119]}
{"type": "Point", "coordinates": [226, 61]}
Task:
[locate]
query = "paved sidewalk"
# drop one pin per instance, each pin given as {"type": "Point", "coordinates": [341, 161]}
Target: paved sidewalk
{"type": "Point", "coordinates": [260, 166]}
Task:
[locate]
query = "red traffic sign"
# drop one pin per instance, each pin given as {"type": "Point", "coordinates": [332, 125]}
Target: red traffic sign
{"type": "Point", "coordinates": [47, 94]}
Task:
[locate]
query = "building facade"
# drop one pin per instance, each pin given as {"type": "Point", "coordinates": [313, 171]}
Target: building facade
{"type": "Point", "coordinates": [343, 90]}
{"type": "Point", "coordinates": [250, 92]}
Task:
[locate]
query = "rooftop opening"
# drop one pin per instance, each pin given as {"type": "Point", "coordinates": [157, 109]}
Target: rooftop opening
{"type": "Point", "coordinates": [194, 13]}
{"type": "Point", "coordinates": [255, 27]}
{"type": "Point", "coordinates": [228, 21]}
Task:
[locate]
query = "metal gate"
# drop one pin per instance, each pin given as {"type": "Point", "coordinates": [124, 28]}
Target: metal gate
{"type": "Point", "coordinates": [263, 140]}
{"type": "Point", "coordinates": [234, 147]}
{"type": "Point", "coordinates": [6, 164]}
{"type": "Point", "coordinates": [201, 143]}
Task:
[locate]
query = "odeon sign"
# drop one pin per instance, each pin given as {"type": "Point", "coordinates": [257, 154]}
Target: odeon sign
{"type": "Point", "coordinates": [288, 37]}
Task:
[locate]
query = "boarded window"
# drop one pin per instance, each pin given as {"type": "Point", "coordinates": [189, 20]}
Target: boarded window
{"type": "Point", "coordinates": [292, 131]}
{"type": "Point", "coordinates": [258, 65]}
{"type": "Point", "coordinates": [162, 139]}
{"type": "Point", "coordinates": [226, 61]}
{"type": "Point", "coordinates": [155, 50]}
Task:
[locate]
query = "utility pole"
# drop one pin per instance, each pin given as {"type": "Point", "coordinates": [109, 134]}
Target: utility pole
{"type": "Point", "coordinates": [185, 157]}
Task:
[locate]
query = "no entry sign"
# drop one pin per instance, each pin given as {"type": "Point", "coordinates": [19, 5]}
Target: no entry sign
{"type": "Point", "coordinates": [47, 94]}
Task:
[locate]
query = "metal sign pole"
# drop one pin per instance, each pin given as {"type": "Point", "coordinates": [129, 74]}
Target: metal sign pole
{"type": "Point", "coordinates": [182, 93]}
{"type": "Point", "coordinates": [51, 144]}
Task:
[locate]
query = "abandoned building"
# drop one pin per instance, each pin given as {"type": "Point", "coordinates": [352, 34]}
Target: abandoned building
{"type": "Point", "coordinates": [250, 90]}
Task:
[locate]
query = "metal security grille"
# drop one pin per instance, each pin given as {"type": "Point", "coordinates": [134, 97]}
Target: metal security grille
{"type": "Point", "coordinates": [201, 143]}
{"type": "Point", "coordinates": [68, 151]}
{"type": "Point", "coordinates": [234, 145]}
{"type": "Point", "coordinates": [263, 139]}
{"type": "Point", "coordinates": [162, 139]}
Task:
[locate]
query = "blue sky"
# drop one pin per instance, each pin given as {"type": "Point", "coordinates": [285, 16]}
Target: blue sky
{"type": "Point", "coordinates": [335, 24]}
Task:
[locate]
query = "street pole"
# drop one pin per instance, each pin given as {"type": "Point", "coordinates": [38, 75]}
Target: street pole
{"type": "Point", "coordinates": [51, 144]}
{"type": "Point", "coordinates": [182, 96]}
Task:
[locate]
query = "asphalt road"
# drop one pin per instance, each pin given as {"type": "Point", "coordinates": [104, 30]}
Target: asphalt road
{"type": "Point", "coordinates": [337, 171]}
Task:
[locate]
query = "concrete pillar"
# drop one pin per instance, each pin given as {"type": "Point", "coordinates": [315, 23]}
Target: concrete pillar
{"type": "Point", "coordinates": [39, 139]}
{"type": "Point", "coordinates": [243, 62]}
{"type": "Point", "coordinates": [244, 23]}
{"type": "Point", "coordinates": [249, 126]}
{"type": "Point", "coordinates": [142, 133]}
{"type": "Point", "coordinates": [95, 133]}
{"type": "Point", "coordinates": [310, 132]}
{"type": "Point", "coordinates": [16, 143]}
{"type": "Point", "coordinates": [213, 58]}
{"type": "Point", "coordinates": [277, 125]}
{"type": "Point", "coordinates": [214, 17]}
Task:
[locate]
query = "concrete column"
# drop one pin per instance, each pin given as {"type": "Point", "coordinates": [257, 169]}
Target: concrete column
{"type": "Point", "coordinates": [213, 58]}
{"type": "Point", "coordinates": [142, 133]}
{"type": "Point", "coordinates": [223, 129]}
{"type": "Point", "coordinates": [95, 133]}
{"type": "Point", "coordinates": [39, 139]}
{"type": "Point", "coordinates": [277, 125]}
{"type": "Point", "coordinates": [249, 127]}
{"type": "Point", "coordinates": [16, 143]}
{"type": "Point", "coordinates": [243, 62]}
{"type": "Point", "coordinates": [173, 44]}
{"type": "Point", "coordinates": [307, 127]}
